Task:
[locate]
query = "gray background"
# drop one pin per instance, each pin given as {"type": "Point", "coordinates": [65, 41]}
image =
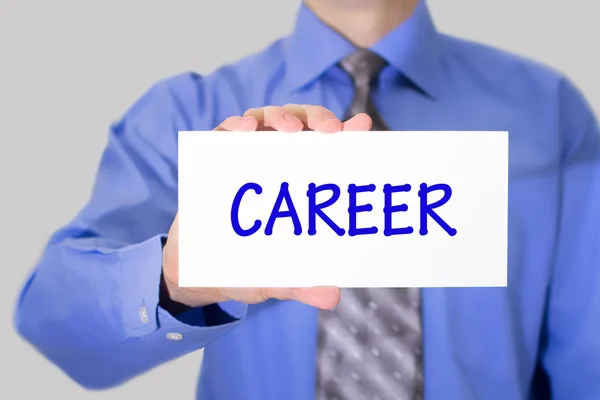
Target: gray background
{"type": "Point", "coordinates": [69, 68]}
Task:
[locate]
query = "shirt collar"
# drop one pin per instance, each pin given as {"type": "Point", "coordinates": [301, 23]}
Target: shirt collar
{"type": "Point", "coordinates": [413, 48]}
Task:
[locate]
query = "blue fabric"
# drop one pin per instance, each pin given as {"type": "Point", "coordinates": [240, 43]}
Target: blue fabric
{"type": "Point", "coordinates": [80, 307]}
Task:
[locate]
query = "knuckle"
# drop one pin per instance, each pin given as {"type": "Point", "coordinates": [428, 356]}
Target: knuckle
{"type": "Point", "coordinates": [251, 111]}
{"type": "Point", "coordinates": [269, 111]}
{"type": "Point", "coordinates": [297, 110]}
{"type": "Point", "coordinates": [325, 111]}
{"type": "Point", "coordinates": [263, 294]}
{"type": "Point", "coordinates": [317, 111]}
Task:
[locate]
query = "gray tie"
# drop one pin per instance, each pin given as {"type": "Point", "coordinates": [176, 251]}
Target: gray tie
{"type": "Point", "coordinates": [369, 346]}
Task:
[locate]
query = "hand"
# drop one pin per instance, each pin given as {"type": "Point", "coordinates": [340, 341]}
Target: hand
{"type": "Point", "coordinates": [289, 118]}
{"type": "Point", "coordinates": [294, 118]}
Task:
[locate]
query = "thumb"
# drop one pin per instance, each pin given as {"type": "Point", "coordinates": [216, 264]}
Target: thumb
{"type": "Point", "coordinates": [320, 297]}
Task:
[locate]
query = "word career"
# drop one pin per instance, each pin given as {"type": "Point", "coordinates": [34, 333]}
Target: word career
{"type": "Point", "coordinates": [319, 210]}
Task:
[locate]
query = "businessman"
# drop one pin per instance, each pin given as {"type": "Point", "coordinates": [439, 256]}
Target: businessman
{"type": "Point", "coordinates": [103, 302]}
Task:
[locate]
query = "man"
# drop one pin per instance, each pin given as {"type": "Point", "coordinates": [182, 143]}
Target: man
{"type": "Point", "coordinates": [103, 302]}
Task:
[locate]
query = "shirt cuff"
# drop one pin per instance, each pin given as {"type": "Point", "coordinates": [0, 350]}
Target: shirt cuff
{"type": "Point", "coordinates": [141, 271]}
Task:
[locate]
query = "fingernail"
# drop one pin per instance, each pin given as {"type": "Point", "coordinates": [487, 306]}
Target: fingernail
{"type": "Point", "coordinates": [246, 118]}
{"type": "Point", "coordinates": [290, 117]}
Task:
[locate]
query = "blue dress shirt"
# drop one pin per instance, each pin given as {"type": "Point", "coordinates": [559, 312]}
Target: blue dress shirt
{"type": "Point", "coordinates": [91, 304]}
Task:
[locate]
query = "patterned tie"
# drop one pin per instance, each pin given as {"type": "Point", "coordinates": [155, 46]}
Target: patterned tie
{"type": "Point", "coordinates": [370, 344]}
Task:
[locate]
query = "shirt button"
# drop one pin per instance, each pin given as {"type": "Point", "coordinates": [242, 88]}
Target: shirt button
{"type": "Point", "coordinates": [144, 315]}
{"type": "Point", "coordinates": [174, 336]}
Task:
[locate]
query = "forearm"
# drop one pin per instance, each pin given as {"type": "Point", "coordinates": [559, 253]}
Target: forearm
{"type": "Point", "coordinates": [96, 313]}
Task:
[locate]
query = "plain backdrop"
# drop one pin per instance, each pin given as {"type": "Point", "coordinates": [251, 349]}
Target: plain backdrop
{"type": "Point", "coordinates": [70, 68]}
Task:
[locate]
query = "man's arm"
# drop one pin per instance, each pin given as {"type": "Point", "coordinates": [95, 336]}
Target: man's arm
{"type": "Point", "coordinates": [102, 303]}
{"type": "Point", "coordinates": [91, 305]}
{"type": "Point", "coordinates": [572, 335]}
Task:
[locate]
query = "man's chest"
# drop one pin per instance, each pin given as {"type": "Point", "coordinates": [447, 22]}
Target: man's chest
{"type": "Point", "coordinates": [470, 326]}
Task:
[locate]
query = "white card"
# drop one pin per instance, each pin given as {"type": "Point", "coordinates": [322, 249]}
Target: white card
{"type": "Point", "coordinates": [405, 240]}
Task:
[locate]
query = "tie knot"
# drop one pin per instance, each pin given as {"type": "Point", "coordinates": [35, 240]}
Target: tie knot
{"type": "Point", "coordinates": [363, 65]}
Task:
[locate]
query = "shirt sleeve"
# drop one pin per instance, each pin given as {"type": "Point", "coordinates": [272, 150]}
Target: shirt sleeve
{"type": "Point", "coordinates": [91, 304]}
{"type": "Point", "coordinates": [571, 352]}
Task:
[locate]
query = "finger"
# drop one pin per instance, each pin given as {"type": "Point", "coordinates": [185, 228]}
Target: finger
{"type": "Point", "coordinates": [360, 122]}
{"type": "Point", "coordinates": [322, 120]}
{"type": "Point", "coordinates": [273, 118]}
{"type": "Point", "coordinates": [299, 112]}
{"type": "Point", "coordinates": [281, 119]}
{"type": "Point", "coordinates": [320, 297]}
{"type": "Point", "coordinates": [244, 124]}
{"type": "Point", "coordinates": [259, 115]}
